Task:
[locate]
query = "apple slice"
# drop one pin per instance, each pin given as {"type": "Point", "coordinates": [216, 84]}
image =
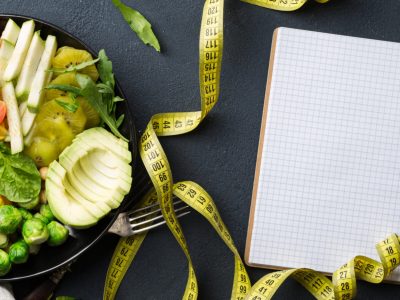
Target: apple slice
{"type": "Point", "coordinates": [13, 118]}
{"type": "Point", "coordinates": [21, 48]}
{"type": "Point", "coordinates": [29, 68]}
{"type": "Point", "coordinates": [42, 76]}
{"type": "Point", "coordinates": [10, 32]}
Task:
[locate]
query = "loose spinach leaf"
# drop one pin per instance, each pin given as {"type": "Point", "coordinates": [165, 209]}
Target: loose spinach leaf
{"type": "Point", "coordinates": [19, 178]}
{"type": "Point", "coordinates": [138, 24]}
{"type": "Point", "coordinates": [65, 88]}
{"type": "Point", "coordinates": [94, 97]}
{"type": "Point", "coordinates": [75, 68]}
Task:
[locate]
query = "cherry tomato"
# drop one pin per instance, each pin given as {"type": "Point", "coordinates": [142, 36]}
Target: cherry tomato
{"type": "Point", "coordinates": [3, 111]}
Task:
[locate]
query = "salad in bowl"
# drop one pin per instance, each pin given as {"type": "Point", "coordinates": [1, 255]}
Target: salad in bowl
{"type": "Point", "coordinates": [63, 161]}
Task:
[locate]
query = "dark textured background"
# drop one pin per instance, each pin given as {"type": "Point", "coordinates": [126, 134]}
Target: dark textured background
{"type": "Point", "coordinates": [221, 154]}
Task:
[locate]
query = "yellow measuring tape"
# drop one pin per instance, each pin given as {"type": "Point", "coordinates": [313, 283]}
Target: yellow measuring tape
{"type": "Point", "coordinates": [343, 285]}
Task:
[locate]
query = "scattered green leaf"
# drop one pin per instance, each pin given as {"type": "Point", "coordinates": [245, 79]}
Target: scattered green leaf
{"type": "Point", "coordinates": [19, 178]}
{"type": "Point", "coordinates": [138, 24]}
{"type": "Point", "coordinates": [71, 107]}
{"type": "Point", "coordinates": [75, 68]}
{"type": "Point", "coordinates": [117, 99]}
{"type": "Point", "coordinates": [105, 88]}
{"type": "Point", "coordinates": [105, 70]}
{"type": "Point", "coordinates": [65, 88]}
{"type": "Point", "coordinates": [120, 120]}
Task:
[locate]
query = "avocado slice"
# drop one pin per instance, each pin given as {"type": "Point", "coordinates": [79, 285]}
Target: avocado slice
{"type": "Point", "coordinates": [84, 182]}
{"type": "Point", "coordinates": [97, 210]}
{"type": "Point", "coordinates": [92, 177]}
{"type": "Point", "coordinates": [102, 133]}
{"type": "Point", "coordinates": [106, 176]}
{"type": "Point", "coordinates": [88, 192]}
{"type": "Point", "coordinates": [63, 207]}
{"type": "Point", "coordinates": [96, 142]}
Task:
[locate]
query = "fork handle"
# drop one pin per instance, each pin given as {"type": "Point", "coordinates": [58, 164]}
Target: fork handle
{"type": "Point", "coordinates": [43, 291]}
{"type": "Point", "coordinates": [46, 289]}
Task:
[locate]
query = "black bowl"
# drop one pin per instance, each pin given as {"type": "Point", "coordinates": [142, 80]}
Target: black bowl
{"type": "Point", "coordinates": [51, 258]}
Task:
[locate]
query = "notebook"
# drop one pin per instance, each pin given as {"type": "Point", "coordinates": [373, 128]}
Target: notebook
{"type": "Point", "coordinates": [327, 180]}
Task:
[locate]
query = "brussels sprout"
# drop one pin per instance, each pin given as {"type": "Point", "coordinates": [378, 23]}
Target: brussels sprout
{"type": "Point", "coordinates": [58, 233]}
{"type": "Point", "coordinates": [35, 231]}
{"type": "Point", "coordinates": [10, 217]}
{"type": "Point", "coordinates": [5, 263]}
{"type": "Point", "coordinates": [19, 252]}
{"type": "Point", "coordinates": [3, 240]}
{"type": "Point", "coordinates": [45, 211]}
{"type": "Point", "coordinates": [34, 249]}
{"type": "Point", "coordinates": [26, 215]}
{"type": "Point", "coordinates": [31, 204]}
{"type": "Point", "coordinates": [41, 217]}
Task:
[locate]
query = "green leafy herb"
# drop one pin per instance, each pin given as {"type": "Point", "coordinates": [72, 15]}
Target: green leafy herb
{"type": "Point", "coordinates": [105, 70]}
{"type": "Point", "coordinates": [75, 68]}
{"type": "Point", "coordinates": [90, 91]}
{"type": "Point", "coordinates": [120, 120]}
{"type": "Point", "coordinates": [65, 88]}
{"type": "Point", "coordinates": [19, 178]}
{"type": "Point", "coordinates": [138, 24]}
{"type": "Point", "coordinates": [71, 107]}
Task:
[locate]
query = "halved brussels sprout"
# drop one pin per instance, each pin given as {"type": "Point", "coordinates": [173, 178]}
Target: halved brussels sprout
{"type": "Point", "coordinates": [35, 231]}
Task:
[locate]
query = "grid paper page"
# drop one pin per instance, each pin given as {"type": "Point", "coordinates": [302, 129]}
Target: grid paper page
{"type": "Point", "coordinates": [329, 181]}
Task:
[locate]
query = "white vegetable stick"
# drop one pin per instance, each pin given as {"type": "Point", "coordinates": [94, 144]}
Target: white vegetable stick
{"type": "Point", "coordinates": [42, 76]}
{"type": "Point", "coordinates": [10, 32]}
{"type": "Point", "coordinates": [22, 108]}
{"type": "Point", "coordinates": [13, 118]}
{"type": "Point", "coordinates": [21, 48]}
{"type": "Point", "coordinates": [6, 50]}
{"type": "Point", "coordinates": [29, 68]}
{"type": "Point", "coordinates": [27, 121]}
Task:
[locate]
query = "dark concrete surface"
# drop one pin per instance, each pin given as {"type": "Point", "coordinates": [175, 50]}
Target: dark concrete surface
{"type": "Point", "coordinates": [221, 154]}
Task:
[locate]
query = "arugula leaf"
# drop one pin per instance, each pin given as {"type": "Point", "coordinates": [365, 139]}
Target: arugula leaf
{"type": "Point", "coordinates": [19, 178]}
{"type": "Point", "coordinates": [105, 70]}
{"type": "Point", "coordinates": [105, 88]}
{"type": "Point", "coordinates": [74, 68]}
{"type": "Point", "coordinates": [138, 24]}
{"type": "Point", "coordinates": [120, 120]}
{"type": "Point", "coordinates": [94, 97]}
{"type": "Point", "coordinates": [71, 107]}
{"type": "Point", "coordinates": [65, 88]}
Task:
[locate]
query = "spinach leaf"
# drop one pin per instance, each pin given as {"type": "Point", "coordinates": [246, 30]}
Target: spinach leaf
{"type": "Point", "coordinates": [90, 91]}
{"type": "Point", "coordinates": [138, 24]}
{"type": "Point", "coordinates": [19, 178]}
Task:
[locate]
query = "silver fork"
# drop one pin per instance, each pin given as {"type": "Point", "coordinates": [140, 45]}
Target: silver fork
{"type": "Point", "coordinates": [127, 224]}
{"type": "Point", "coordinates": [143, 219]}
{"type": "Point", "coordinates": [140, 220]}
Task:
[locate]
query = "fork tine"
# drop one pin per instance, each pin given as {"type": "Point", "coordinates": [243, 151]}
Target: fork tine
{"type": "Point", "coordinates": [149, 213]}
{"type": "Point", "coordinates": [158, 217]}
{"type": "Point", "coordinates": [137, 231]}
